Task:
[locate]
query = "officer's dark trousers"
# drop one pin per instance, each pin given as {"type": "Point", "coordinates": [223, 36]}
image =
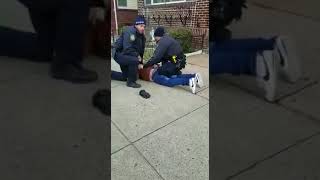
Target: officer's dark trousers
{"type": "Point", "coordinates": [129, 68]}
{"type": "Point", "coordinates": [18, 44]}
{"type": "Point", "coordinates": [60, 28]}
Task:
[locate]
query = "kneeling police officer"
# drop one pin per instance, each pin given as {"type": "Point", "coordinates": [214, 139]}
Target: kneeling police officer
{"type": "Point", "coordinates": [128, 53]}
{"type": "Point", "coordinates": [169, 52]}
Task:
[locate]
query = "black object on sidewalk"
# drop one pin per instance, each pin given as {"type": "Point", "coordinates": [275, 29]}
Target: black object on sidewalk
{"type": "Point", "coordinates": [102, 100]}
{"type": "Point", "coordinates": [144, 94]}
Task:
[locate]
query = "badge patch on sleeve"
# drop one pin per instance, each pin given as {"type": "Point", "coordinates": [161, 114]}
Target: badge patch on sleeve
{"type": "Point", "coordinates": [132, 37]}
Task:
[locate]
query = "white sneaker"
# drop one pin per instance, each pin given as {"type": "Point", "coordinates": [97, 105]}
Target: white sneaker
{"type": "Point", "coordinates": [289, 60]}
{"type": "Point", "coordinates": [199, 80]}
{"type": "Point", "coordinates": [267, 73]}
{"type": "Point", "coordinates": [192, 85]}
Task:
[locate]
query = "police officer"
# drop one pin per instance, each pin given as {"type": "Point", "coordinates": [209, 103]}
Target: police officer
{"type": "Point", "coordinates": [60, 30]}
{"type": "Point", "coordinates": [129, 50]}
{"type": "Point", "coordinates": [169, 52]}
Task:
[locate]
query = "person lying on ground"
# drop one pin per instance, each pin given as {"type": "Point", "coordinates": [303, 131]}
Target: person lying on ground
{"type": "Point", "coordinates": [265, 59]}
{"type": "Point", "coordinates": [151, 73]}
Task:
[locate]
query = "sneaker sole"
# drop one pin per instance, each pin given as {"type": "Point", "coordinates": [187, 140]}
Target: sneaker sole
{"type": "Point", "coordinates": [271, 83]}
{"type": "Point", "coordinates": [200, 81]}
{"type": "Point", "coordinates": [193, 88]}
{"type": "Point", "coordinates": [291, 68]}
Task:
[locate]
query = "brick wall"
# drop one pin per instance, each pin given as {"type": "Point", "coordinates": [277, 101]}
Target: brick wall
{"type": "Point", "coordinates": [125, 17]}
{"type": "Point", "coordinates": [198, 20]}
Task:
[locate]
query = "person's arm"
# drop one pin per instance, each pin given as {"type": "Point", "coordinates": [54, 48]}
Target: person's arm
{"type": "Point", "coordinates": [157, 55]}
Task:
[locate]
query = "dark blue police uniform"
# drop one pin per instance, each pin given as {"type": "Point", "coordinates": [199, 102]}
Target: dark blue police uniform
{"type": "Point", "coordinates": [61, 27]}
{"type": "Point", "coordinates": [128, 47]}
{"type": "Point", "coordinates": [166, 49]}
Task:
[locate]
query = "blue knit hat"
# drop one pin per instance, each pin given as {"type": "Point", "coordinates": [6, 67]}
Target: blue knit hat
{"type": "Point", "coordinates": [139, 20]}
{"type": "Point", "coordinates": [159, 32]}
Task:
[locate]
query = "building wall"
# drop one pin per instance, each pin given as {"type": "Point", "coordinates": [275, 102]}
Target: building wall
{"type": "Point", "coordinates": [131, 4]}
{"type": "Point", "coordinates": [198, 22]}
{"type": "Point", "coordinates": [125, 16]}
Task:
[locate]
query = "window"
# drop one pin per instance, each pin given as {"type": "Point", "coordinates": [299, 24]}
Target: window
{"type": "Point", "coordinates": [122, 3]}
{"type": "Point", "coordinates": [158, 2]}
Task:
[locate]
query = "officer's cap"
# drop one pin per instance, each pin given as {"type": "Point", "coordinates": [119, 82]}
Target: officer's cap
{"type": "Point", "coordinates": [139, 20]}
{"type": "Point", "coordinates": [159, 32]}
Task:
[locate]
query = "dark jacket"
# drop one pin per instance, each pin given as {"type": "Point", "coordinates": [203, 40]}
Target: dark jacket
{"type": "Point", "coordinates": [167, 47]}
{"type": "Point", "coordinates": [130, 43]}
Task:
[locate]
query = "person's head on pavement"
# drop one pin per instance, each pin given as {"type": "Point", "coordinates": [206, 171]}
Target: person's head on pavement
{"type": "Point", "coordinates": [140, 24]}
{"type": "Point", "coordinates": [159, 33]}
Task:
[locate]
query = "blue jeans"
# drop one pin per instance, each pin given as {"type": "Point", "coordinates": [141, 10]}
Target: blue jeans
{"type": "Point", "coordinates": [172, 81]}
{"type": "Point", "coordinates": [237, 56]}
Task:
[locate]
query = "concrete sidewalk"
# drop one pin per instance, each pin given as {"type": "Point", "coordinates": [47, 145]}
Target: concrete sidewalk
{"type": "Point", "coordinates": [49, 128]}
{"type": "Point", "coordinates": [256, 140]}
{"type": "Point", "coordinates": [164, 137]}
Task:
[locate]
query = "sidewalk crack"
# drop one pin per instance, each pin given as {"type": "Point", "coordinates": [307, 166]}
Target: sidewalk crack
{"type": "Point", "coordinates": [271, 156]}
{"type": "Point", "coordinates": [132, 144]}
{"type": "Point", "coordinates": [268, 7]}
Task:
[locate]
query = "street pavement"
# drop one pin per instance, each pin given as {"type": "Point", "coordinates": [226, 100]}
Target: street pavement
{"type": "Point", "coordinates": [164, 137]}
{"type": "Point", "coordinates": [49, 128]}
{"type": "Point", "coordinates": [255, 140]}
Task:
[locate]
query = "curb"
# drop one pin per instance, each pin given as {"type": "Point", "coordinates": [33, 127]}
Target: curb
{"type": "Point", "coordinates": [194, 53]}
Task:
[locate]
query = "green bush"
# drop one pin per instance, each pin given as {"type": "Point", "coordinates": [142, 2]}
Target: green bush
{"type": "Point", "coordinates": [184, 36]}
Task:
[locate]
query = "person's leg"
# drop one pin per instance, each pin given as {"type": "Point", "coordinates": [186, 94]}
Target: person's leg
{"type": "Point", "coordinates": [132, 73]}
{"type": "Point", "coordinates": [170, 81]}
{"type": "Point", "coordinates": [184, 76]}
{"type": "Point", "coordinates": [118, 76]}
{"type": "Point", "coordinates": [125, 60]}
{"type": "Point", "coordinates": [235, 63]}
{"type": "Point", "coordinates": [17, 44]}
{"type": "Point", "coordinates": [248, 44]}
{"type": "Point", "coordinates": [168, 69]}
{"type": "Point", "coordinates": [44, 25]}
{"type": "Point", "coordinates": [125, 71]}
{"type": "Point", "coordinates": [71, 27]}
{"type": "Point", "coordinates": [129, 68]}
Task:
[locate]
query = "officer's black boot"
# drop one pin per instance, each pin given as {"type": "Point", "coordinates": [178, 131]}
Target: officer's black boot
{"type": "Point", "coordinates": [73, 74]}
{"type": "Point", "coordinates": [132, 76]}
{"type": "Point", "coordinates": [133, 84]}
{"type": "Point", "coordinates": [69, 36]}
